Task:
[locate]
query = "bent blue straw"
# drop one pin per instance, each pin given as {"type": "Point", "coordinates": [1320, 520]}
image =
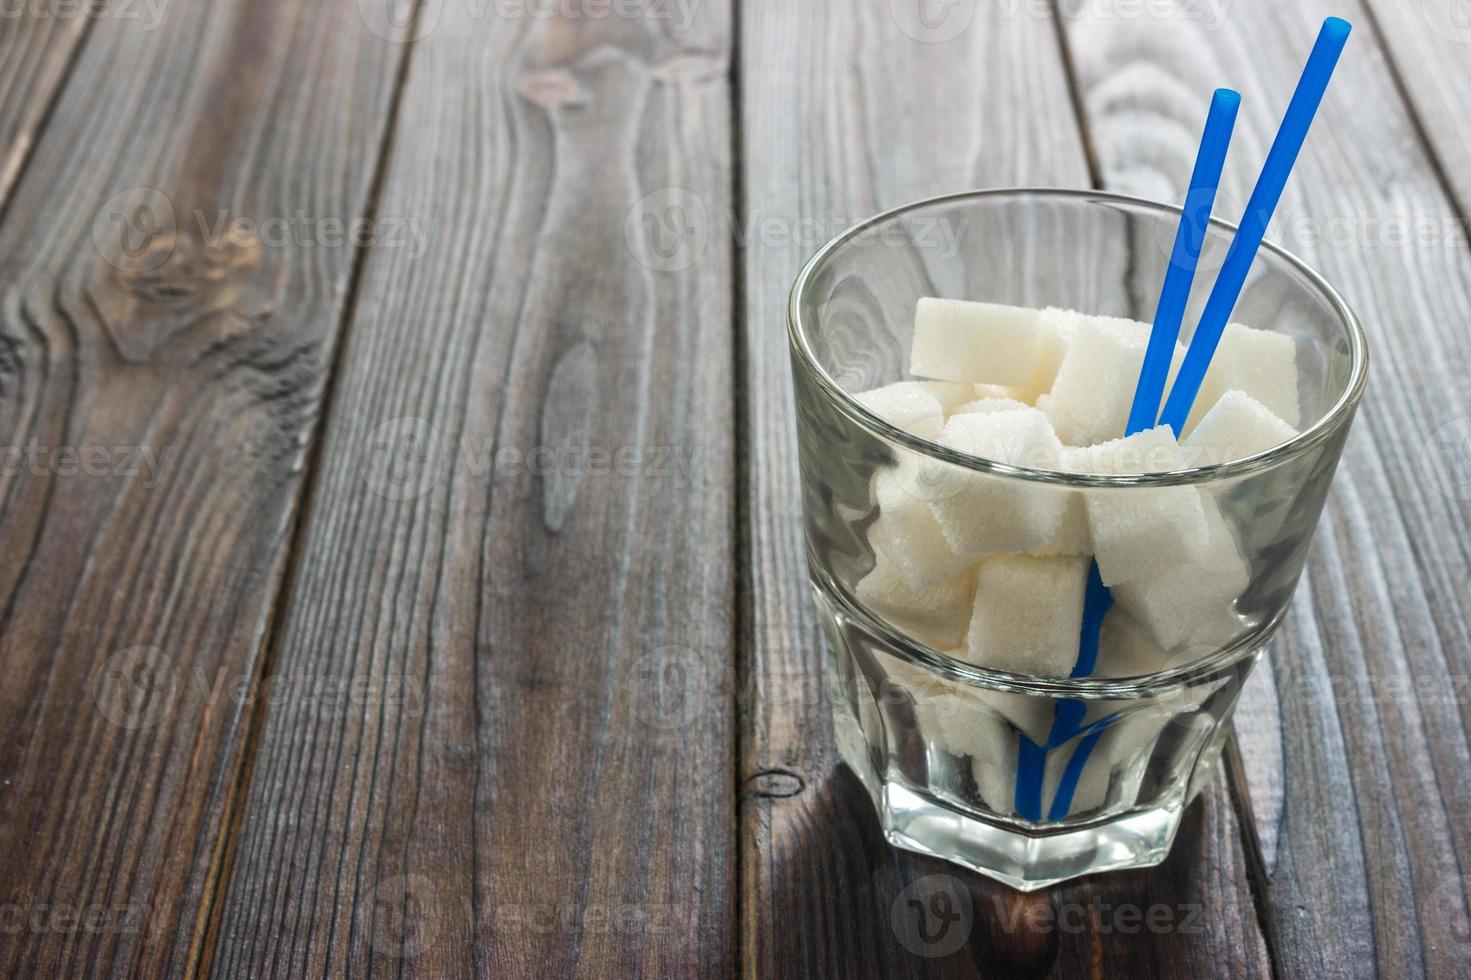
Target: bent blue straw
{"type": "Point", "coordinates": [1190, 234]}
{"type": "Point", "coordinates": [1264, 199]}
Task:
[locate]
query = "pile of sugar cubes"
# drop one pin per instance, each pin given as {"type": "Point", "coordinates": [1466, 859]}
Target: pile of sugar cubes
{"type": "Point", "coordinates": [992, 570]}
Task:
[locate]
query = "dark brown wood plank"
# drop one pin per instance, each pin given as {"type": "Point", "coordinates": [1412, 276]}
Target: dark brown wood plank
{"type": "Point", "coordinates": [37, 42]}
{"type": "Point", "coordinates": [871, 108]}
{"type": "Point", "coordinates": [137, 587]}
{"type": "Point", "coordinates": [1365, 813]}
{"type": "Point", "coordinates": [552, 795]}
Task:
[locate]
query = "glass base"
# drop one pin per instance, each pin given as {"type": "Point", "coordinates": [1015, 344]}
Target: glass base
{"type": "Point", "coordinates": [1024, 861]}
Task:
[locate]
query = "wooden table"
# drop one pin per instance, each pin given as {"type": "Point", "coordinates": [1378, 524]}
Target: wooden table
{"type": "Point", "coordinates": [401, 568]}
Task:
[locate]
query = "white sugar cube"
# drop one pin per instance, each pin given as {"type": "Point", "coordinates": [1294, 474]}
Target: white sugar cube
{"type": "Point", "coordinates": [937, 615]}
{"type": "Point", "coordinates": [964, 727]}
{"type": "Point", "coordinates": [1028, 614]}
{"type": "Point", "coordinates": [1236, 427]}
{"type": "Point", "coordinates": [1138, 532]}
{"type": "Point", "coordinates": [1191, 607]}
{"type": "Point", "coordinates": [981, 513]}
{"type": "Point", "coordinates": [950, 393]}
{"type": "Point", "coordinates": [982, 406]}
{"type": "Point", "coordinates": [980, 392]}
{"type": "Point", "coordinates": [1262, 363]}
{"type": "Point", "coordinates": [909, 405]}
{"type": "Point", "coordinates": [1090, 400]}
{"type": "Point", "coordinates": [1125, 648]}
{"type": "Point", "coordinates": [906, 531]}
{"type": "Point", "coordinates": [957, 340]}
{"type": "Point", "coordinates": [1073, 536]}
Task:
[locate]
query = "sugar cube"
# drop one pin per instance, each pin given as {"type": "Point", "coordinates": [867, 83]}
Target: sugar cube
{"type": "Point", "coordinates": [957, 340]}
{"type": "Point", "coordinates": [1125, 648]}
{"type": "Point", "coordinates": [981, 406]}
{"type": "Point", "coordinates": [1139, 532]}
{"type": "Point", "coordinates": [981, 513]}
{"type": "Point", "coordinates": [1028, 614]}
{"type": "Point", "coordinates": [1090, 400]}
{"type": "Point", "coordinates": [937, 615]}
{"type": "Point", "coordinates": [908, 405]}
{"type": "Point", "coordinates": [1191, 607]}
{"type": "Point", "coordinates": [1262, 363]}
{"type": "Point", "coordinates": [1073, 536]}
{"type": "Point", "coordinates": [906, 531]}
{"type": "Point", "coordinates": [950, 393]}
{"type": "Point", "coordinates": [1022, 395]}
{"type": "Point", "coordinates": [1237, 426]}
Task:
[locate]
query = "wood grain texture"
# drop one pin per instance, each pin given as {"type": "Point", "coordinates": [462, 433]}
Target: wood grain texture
{"type": "Point", "coordinates": [1367, 850]}
{"type": "Point", "coordinates": [865, 113]}
{"type": "Point", "coordinates": [1428, 42]}
{"type": "Point", "coordinates": [548, 792]}
{"type": "Point", "coordinates": [37, 42]}
{"type": "Point", "coordinates": [159, 379]}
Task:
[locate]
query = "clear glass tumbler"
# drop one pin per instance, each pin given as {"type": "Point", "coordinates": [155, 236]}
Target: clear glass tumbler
{"type": "Point", "coordinates": [1036, 779]}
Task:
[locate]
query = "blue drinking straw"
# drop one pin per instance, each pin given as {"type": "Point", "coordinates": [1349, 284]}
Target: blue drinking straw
{"type": "Point", "coordinates": [1189, 237]}
{"type": "Point", "coordinates": [1097, 600]}
{"type": "Point", "coordinates": [1227, 290]}
{"type": "Point", "coordinates": [1264, 198]}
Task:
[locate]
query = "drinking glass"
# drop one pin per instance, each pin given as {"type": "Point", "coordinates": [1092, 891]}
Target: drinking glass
{"type": "Point", "coordinates": [1036, 779]}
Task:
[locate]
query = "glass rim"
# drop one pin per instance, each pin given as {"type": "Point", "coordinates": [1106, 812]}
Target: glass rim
{"type": "Point", "coordinates": [1327, 425]}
